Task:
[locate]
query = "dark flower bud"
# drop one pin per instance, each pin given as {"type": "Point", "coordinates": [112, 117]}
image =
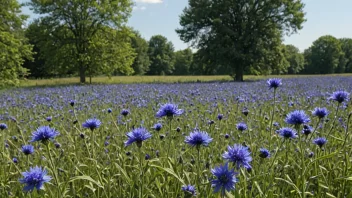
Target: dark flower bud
{"type": "Point", "coordinates": [147, 157]}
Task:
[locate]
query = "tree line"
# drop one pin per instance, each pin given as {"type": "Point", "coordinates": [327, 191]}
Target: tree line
{"type": "Point", "coordinates": [90, 38]}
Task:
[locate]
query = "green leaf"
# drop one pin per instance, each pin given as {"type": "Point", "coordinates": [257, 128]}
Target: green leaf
{"type": "Point", "coordinates": [330, 195]}
{"type": "Point", "coordinates": [170, 171]}
{"type": "Point", "coordinates": [128, 179]}
{"type": "Point", "coordinates": [87, 178]}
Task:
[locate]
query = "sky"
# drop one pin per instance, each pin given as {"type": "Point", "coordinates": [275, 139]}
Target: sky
{"type": "Point", "coordinates": [152, 17]}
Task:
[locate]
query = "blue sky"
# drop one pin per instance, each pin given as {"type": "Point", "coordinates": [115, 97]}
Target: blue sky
{"type": "Point", "coordinates": [152, 17]}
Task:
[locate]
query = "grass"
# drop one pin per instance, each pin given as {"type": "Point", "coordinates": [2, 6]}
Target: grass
{"type": "Point", "coordinates": [150, 79]}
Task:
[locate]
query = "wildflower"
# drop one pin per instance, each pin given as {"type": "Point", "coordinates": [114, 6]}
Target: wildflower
{"type": "Point", "coordinates": [225, 179]}
{"type": "Point", "coordinates": [340, 96]}
{"type": "Point", "coordinates": [307, 129]}
{"type": "Point", "coordinates": [27, 149]}
{"type": "Point", "coordinates": [220, 116]}
{"type": "Point", "coordinates": [189, 190]}
{"type": "Point", "coordinates": [239, 155]}
{"type": "Point", "coordinates": [241, 126]}
{"type": "Point", "coordinates": [34, 178]}
{"type": "Point", "coordinates": [264, 153]}
{"type": "Point", "coordinates": [198, 138]}
{"type": "Point", "coordinates": [274, 83]}
{"type": "Point", "coordinates": [125, 112]}
{"type": "Point", "coordinates": [137, 135]}
{"type": "Point", "coordinates": [169, 110]}
{"type": "Point", "coordinates": [157, 126]}
{"type": "Point", "coordinates": [43, 134]}
{"type": "Point", "coordinates": [297, 117]}
{"type": "Point", "coordinates": [3, 126]}
{"type": "Point", "coordinates": [320, 112]}
{"type": "Point", "coordinates": [91, 124]}
{"type": "Point", "coordinates": [287, 133]}
{"type": "Point", "coordinates": [320, 141]}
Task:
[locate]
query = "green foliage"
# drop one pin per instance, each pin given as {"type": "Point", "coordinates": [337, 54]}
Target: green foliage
{"type": "Point", "coordinates": [346, 60]}
{"type": "Point", "coordinates": [76, 27]}
{"type": "Point", "coordinates": [183, 61]}
{"type": "Point", "coordinates": [323, 56]}
{"type": "Point", "coordinates": [294, 58]}
{"type": "Point", "coordinates": [13, 45]}
{"type": "Point", "coordinates": [161, 56]}
{"type": "Point", "coordinates": [141, 62]}
{"type": "Point", "coordinates": [241, 35]}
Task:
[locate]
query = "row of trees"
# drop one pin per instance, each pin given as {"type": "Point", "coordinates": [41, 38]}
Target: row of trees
{"type": "Point", "coordinates": [90, 38]}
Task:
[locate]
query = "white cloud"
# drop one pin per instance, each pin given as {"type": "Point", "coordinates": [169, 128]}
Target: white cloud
{"type": "Point", "coordinates": [137, 8]}
{"type": "Point", "coordinates": [149, 1]}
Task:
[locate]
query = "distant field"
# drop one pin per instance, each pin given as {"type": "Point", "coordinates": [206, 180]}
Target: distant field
{"type": "Point", "coordinates": [148, 79]}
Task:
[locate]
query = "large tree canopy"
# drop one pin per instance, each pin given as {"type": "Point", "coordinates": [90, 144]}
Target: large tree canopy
{"type": "Point", "coordinates": [241, 35]}
{"type": "Point", "coordinates": [324, 56]}
{"type": "Point", "coordinates": [294, 58]}
{"type": "Point", "coordinates": [86, 31]}
{"type": "Point", "coordinates": [141, 62]}
{"type": "Point", "coordinates": [13, 45]}
{"type": "Point", "coordinates": [183, 61]}
{"type": "Point", "coordinates": [161, 56]}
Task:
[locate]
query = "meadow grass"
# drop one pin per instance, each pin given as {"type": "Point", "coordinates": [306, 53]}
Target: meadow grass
{"type": "Point", "coordinates": [152, 79]}
{"type": "Point", "coordinates": [97, 163]}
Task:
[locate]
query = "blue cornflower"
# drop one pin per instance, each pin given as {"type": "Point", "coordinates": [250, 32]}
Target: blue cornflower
{"type": "Point", "coordinates": [3, 126]}
{"type": "Point", "coordinates": [137, 135]}
{"type": "Point", "coordinates": [239, 155]}
{"type": "Point", "coordinates": [220, 116]}
{"type": "Point", "coordinates": [157, 126]}
{"type": "Point", "coordinates": [320, 112]}
{"type": "Point", "coordinates": [109, 110]}
{"type": "Point", "coordinates": [27, 149]}
{"type": "Point", "coordinates": [225, 179]}
{"type": "Point", "coordinates": [72, 103]}
{"type": "Point", "coordinates": [189, 190]}
{"type": "Point", "coordinates": [125, 112]}
{"type": "Point", "coordinates": [297, 117]}
{"type": "Point", "coordinates": [264, 153]}
{"type": "Point", "coordinates": [15, 160]}
{"type": "Point", "coordinates": [198, 138]}
{"type": "Point", "coordinates": [287, 133]}
{"type": "Point", "coordinates": [241, 126]}
{"type": "Point", "coordinates": [274, 83]}
{"type": "Point", "coordinates": [49, 118]}
{"type": "Point", "coordinates": [169, 110]}
{"type": "Point", "coordinates": [34, 178]}
{"type": "Point", "coordinates": [43, 134]}
{"type": "Point", "coordinates": [340, 96]}
{"type": "Point", "coordinates": [91, 124]}
{"type": "Point", "coordinates": [307, 129]}
{"type": "Point", "coordinates": [320, 141]}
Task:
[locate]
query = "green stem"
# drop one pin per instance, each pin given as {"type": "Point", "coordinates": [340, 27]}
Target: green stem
{"type": "Point", "coordinates": [333, 123]}
{"type": "Point", "coordinates": [198, 171]}
{"type": "Point", "coordinates": [272, 119]}
{"type": "Point", "coordinates": [316, 126]}
{"type": "Point", "coordinates": [168, 149]}
{"type": "Point", "coordinates": [53, 169]}
{"type": "Point", "coordinates": [302, 161]}
{"type": "Point", "coordinates": [142, 172]}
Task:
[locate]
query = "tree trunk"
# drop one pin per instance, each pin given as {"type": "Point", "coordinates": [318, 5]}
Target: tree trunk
{"type": "Point", "coordinates": [82, 74]}
{"type": "Point", "coordinates": [239, 73]}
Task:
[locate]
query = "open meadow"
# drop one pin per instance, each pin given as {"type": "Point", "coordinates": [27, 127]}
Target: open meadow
{"type": "Point", "coordinates": [261, 138]}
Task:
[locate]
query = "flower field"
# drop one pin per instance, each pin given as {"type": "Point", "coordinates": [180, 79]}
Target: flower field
{"type": "Point", "coordinates": [268, 138]}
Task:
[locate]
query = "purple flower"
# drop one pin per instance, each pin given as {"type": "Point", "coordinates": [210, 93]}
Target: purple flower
{"type": "Point", "coordinates": [169, 110]}
{"type": "Point", "coordinates": [198, 138]}
{"type": "Point", "coordinates": [297, 117]}
{"type": "Point", "coordinates": [320, 112]}
{"type": "Point", "coordinates": [241, 126]}
{"type": "Point", "coordinates": [125, 112]}
{"type": "Point", "coordinates": [91, 124]}
{"type": "Point", "coordinates": [157, 126]}
{"type": "Point", "coordinates": [274, 83]}
{"type": "Point", "coordinates": [3, 126]}
{"type": "Point", "coordinates": [320, 141]}
{"type": "Point", "coordinates": [34, 178]}
{"type": "Point", "coordinates": [137, 135]}
{"type": "Point", "coordinates": [43, 134]}
{"type": "Point", "coordinates": [340, 96]}
{"type": "Point", "coordinates": [287, 133]}
{"type": "Point", "coordinates": [225, 179]}
{"type": "Point", "coordinates": [189, 190]}
{"type": "Point", "coordinates": [239, 155]}
{"type": "Point", "coordinates": [27, 149]}
{"type": "Point", "coordinates": [264, 153]}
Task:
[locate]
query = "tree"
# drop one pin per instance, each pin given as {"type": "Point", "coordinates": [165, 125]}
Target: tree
{"type": "Point", "coordinates": [183, 61]}
{"type": "Point", "coordinates": [241, 35]}
{"type": "Point", "coordinates": [161, 56]}
{"type": "Point", "coordinates": [324, 55]}
{"type": "Point", "coordinates": [78, 26]}
{"type": "Point", "coordinates": [294, 58]}
{"type": "Point", "coordinates": [13, 44]}
{"type": "Point", "coordinates": [346, 62]}
{"type": "Point", "coordinates": [141, 63]}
